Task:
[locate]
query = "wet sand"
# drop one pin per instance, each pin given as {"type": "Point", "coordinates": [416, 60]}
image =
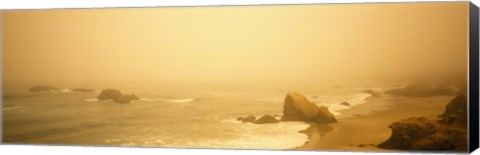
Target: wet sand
{"type": "Point", "coordinates": [364, 126]}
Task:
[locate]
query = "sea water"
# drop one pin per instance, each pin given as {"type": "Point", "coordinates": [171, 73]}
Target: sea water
{"type": "Point", "coordinates": [196, 116]}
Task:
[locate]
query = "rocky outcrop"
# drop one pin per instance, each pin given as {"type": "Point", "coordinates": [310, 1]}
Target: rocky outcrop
{"type": "Point", "coordinates": [116, 96]}
{"type": "Point", "coordinates": [419, 133]}
{"type": "Point", "coordinates": [456, 111]}
{"type": "Point", "coordinates": [266, 119]}
{"type": "Point", "coordinates": [297, 108]}
{"type": "Point", "coordinates": [345, 103]}
{"type": "Point", "coordinates": [421, 91]}
{"type": "Point", "coordinates": [406, 133]}
{"type": "Point", "coordinates": [83, 90]}
{"type": "Point", "coordinates": [42, 88]}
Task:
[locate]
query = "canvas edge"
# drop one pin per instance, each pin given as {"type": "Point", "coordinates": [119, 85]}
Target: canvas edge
{"type": "Point", "coordinates": [473, 94]}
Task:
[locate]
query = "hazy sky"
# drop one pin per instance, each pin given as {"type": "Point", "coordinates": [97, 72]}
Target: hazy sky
{"type": "Point", "coordinates": [276, 44]}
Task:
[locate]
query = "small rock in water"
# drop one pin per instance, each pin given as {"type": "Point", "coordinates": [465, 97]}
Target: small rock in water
{"type": "Point", "coordinates": [116, 96]}
{"type": "Point", "coordinates": [250, 118]}
{"type": "Point", "coordinates": [83, 90]}
{"type": "Point", "coordinates": [265, 119]}
{"type": "Point", "coordinates": [240, 119]}
{"type": "Point", "coordinates": [41, 88]}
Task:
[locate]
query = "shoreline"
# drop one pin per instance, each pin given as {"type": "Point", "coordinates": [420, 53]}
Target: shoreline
{"type": "Point", "coordinates": [364, 126]}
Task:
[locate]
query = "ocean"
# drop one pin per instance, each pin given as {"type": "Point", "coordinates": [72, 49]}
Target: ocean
{"type": "Point", "coordinates": [188, 116]}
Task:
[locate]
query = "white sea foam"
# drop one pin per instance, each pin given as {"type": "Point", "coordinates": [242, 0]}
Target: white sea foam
{"type": "Point", "coordinates": [334, 103]}
{"type": "Point", "coordinates": [153, 100]}
{"type": "Point", "coordinates": [148, 99]}
{"type": "Point", "coordinates": [187, 100]}
{"type": "Point", "coordinates": [15, 109]}
{"type": "Point", "coordinates": [91, 99]}
{"type": "Point", "coordinates": [282, 135]}
{"type": "Point", "coordinates": [66, 90]}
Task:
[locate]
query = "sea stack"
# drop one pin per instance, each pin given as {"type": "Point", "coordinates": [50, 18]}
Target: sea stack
{"type": "Point", "coordinates": [297, 108]}
{"type": "Point", "coordinates": [116, 96]}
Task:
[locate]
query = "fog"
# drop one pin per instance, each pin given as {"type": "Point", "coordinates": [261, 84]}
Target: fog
{"type": "Point", "coordinates": [238, 45]}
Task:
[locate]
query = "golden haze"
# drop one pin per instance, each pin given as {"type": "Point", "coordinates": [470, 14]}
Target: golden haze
{"type": "Point", "coordinates": [298, 44]}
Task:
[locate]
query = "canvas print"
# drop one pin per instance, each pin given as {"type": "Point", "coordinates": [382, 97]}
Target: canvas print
{"type": "Point", "coordinates": [324, 77]}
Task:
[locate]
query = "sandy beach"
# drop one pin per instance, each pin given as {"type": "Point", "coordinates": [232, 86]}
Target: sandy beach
{"type": "Point", "coordinates": [364, 126]}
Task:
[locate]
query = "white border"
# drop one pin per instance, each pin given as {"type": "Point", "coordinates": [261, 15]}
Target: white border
{"type": "Point", "coordinates": [50, 4]}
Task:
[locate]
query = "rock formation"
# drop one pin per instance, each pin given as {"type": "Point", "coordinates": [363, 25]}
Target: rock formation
{"type": "Point", "coordinates": [41, 88]}
{"type": "Point", "coordinates": [345, 103]}
{"type": "Point", "coordinates": [421, 91]}
{"type": "Point", "coordinates": [297, 108]}
{"type": "Point", "coordinates": [265, 119]}
{"type": "Point", "coordinates": [83, 90]}
{"type": "Point", "coordinates": [116, 96]}
{"type": "Point", "coordinates": [247, 119]}
{"type": "Point", "coordinates": [240, 118]}
{"type": "Point", "coordinates": [419, 133]}
{"type": "Point", "coordinates": [456, 111]}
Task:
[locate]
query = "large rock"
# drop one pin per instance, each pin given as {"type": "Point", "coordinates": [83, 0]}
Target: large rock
{"type": "Point", "coordinates": [266, 119]}
{"type": "Point", "coordinates": [41, 88]}
{"type": "Point", "coordinates": [116, 96]}
{"type": "Point", "coordinates": [419, 133]}
{"type": "Point", "coordinates": [297, 108]}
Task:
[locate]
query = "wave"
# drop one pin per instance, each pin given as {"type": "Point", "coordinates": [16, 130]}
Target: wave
{"type": "Point", "coordinates": [66, 90]}
{"type": "Point", "coordinates": [187, 100]}
{"type": "Point", "coordinates": [15, 109]}
{"type": "Point", "coordinates": [334, 103]}
{"type": "Point", "coordinates": [91, 100]}
{"type": "Point", "coordinates": [282, 135]}
{"type": "Point", "coordinates": [184, 100]}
